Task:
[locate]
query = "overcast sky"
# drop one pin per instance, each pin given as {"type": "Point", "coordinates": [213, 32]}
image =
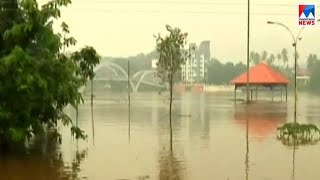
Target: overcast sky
{"type": "Point", "coordinates": [126, 27]}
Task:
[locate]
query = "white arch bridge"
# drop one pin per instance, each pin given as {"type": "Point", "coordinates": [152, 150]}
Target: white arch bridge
{"type": "Point", "coordinates": [113, 72]}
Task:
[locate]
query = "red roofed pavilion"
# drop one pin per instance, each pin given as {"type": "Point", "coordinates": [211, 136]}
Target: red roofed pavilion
{"type": "Point", "coordinates": [261, 75]}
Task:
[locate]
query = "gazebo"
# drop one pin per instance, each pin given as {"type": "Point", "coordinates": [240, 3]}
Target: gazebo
{"type": "Point", "coordinates": [261, 75]}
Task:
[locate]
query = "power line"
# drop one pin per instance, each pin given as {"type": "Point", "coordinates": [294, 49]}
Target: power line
{"type": "Point", "coordinates": [184, 3]}
{"type": "Point", "coordinates": [191, 12]}
{"type": "Point", "coordinates": [177, 12]}
{"type": "Point", "coordinates": [191, 3]}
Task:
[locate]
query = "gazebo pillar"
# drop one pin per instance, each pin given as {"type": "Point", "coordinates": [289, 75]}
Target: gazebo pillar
{"type": "Point", "coordinates": [286, 93]}
{"type": "Point", "coordinates": [256, 93]}
{"type": "Point", "coordinates": [235, 93]}
{"type": "Point", "coordinates": [281, 94]}
{"type": "Point", "coordinates": [271, 93]}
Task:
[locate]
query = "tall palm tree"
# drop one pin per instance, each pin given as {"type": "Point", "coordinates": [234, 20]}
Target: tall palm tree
{"type": "Point", "coordinates": [279, 57]}
{"type": "Point", "coordinates": [252, 56]}
{"type": "Point", "coordinates": [264, 55]}
{"type": "Point", "coordinates": [271, 59]}
{"type": "Point", "coordinates": [257, 58]}
{"type": "Point", "coordinates": [285, 59]}
{"type": "Point", "coordinates": [312, 58]}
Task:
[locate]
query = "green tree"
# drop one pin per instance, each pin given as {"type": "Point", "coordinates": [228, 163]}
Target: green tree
{"type": "Point", "coordinates": [264, 55]}
{"type": "Point", "coordinates": [313, 66]}
{"type": "Point", "coordinates": [252, 56]}
{"type": "Point", "coordinates": [279, 59]}
{"type": "Point", "coordinates": [239, 69]}
{"type": "Point", "coordinates": [285, 59]}
{"type": "Point", "coordinates": [37, 79]}
{"type": "Point", "coordinates": [215, 72]}
{"type": "Point", "coordinates": [172, 56]}
{"type": "Point", "coordinates": [87, 59]}
{"type": "Point", "coordinates": [255, 57]}
{"type": "Point", "coordinates": [311, 61]}
{"type": "Point", "coordinates": [219, 73]}
{"type": "Point", "coordinates": [271, 59]}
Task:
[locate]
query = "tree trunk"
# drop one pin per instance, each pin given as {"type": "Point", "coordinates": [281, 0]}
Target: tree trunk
{"type": "Point", "coordinates": [92, 109]}
{"type": "Point", "coordinates": [170, 110]}
{"type": "Point", "coordinates": [77, 116]}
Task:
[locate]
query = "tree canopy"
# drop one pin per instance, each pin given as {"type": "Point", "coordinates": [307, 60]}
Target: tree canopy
{"type": "Point", "coordinates": [37, 78]}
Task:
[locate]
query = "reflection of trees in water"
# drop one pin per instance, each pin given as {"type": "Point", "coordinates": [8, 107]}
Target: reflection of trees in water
{"type": "Point", "coordinates": [170, 166]}
{"type": "Point", "coordinates": [42, 161]}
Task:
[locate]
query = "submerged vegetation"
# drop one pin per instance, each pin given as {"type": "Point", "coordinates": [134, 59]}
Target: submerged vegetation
{"type": "Point", "coordinates": [298, 134]}
{"type": "Point", "coordinates": [37, 78]}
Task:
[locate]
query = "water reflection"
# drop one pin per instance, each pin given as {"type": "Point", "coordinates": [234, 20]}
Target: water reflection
{"type": "Point", "coordinates": [170, 166]}
{"type": "Point", "coordinates": [42, 161]}
{"type": "Point", "coordinates": [219, 141]}
{"type": "Point", "coordinates": [264, 118]}
{"type": "Point", "coordinates": [294, 161]}
{"type": "Point", "coordinates": [247, 149]}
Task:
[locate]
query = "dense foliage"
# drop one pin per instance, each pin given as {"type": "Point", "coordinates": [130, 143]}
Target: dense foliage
{"type": "Point", "coordinates": [37, 78]}
{"type": "Point", "coordinates": [220, 73]}
{"type": "Point", "coordinates": [298, 134]}
{"type": "Point", "coordinates": [313, 66]}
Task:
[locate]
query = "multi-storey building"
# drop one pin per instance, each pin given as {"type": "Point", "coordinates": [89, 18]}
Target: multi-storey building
{"type": "Point", "coordinates": [194, 69]}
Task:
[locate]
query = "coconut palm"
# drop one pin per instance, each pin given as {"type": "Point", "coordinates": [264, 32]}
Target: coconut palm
{"type": "Point", "coordinates": [279, 57]}
{"type": "Point", "coordinates": [271, 59]}
{"type": "Point", "coordinates": [285, 59]}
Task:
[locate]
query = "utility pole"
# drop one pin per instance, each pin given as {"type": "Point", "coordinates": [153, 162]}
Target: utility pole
{"type": "Point", "coordinates": [129, 103]}
{"type": "Point", "coordinates": [295, 80]}
{"type": "Point", "coordinates": [248, 51]}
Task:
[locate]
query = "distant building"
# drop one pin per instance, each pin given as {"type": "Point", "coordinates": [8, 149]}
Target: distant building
{"type": "Point", "coordinates": [194, 70]}
{"type": "Point", "coordinates": [303, 76]}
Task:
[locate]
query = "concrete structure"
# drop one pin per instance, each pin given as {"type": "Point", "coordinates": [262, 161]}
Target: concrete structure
{"type": "Point", "coordinates": [117, 73]}
{"type": "Point", "coordinates": [303, 76]}
{"type": "Point", "coordinates": [194, 70]}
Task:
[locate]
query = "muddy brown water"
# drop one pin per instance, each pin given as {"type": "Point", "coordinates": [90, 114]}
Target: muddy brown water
{"type": "Point", "coordinates": [211, 141]}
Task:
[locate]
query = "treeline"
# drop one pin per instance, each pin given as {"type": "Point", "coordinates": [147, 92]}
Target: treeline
{"type": "Point", "coordinates": [223, 73]}
{"type": "Point", "coordinates": [279, 60]}
{"type": "Point", "coordinates": [313, 67]}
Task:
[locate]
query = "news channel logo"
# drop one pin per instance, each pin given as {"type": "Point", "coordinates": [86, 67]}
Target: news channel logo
{"type": "Point", "coordinates": [307, 14]}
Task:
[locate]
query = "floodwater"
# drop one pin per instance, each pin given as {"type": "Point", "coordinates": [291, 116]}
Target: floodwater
{"type": "Point", "coordinates": [213, 139]}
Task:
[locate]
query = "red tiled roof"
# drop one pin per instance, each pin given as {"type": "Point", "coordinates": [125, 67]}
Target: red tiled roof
{"type": "Point", "coordinates": [261, 74]}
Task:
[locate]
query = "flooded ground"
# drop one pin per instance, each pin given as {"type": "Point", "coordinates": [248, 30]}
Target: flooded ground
{"type": "Point", "coordinates": [212, 140]}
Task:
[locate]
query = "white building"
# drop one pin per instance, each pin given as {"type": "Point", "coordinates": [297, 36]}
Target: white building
{"type": "Point", "coordinates": [194, 68]}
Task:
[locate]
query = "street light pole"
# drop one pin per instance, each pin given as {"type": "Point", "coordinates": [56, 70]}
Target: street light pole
{"type": "Point", "coordinates": [294, 44]}
{"type": "Point", "coordinates": [295, 41]}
